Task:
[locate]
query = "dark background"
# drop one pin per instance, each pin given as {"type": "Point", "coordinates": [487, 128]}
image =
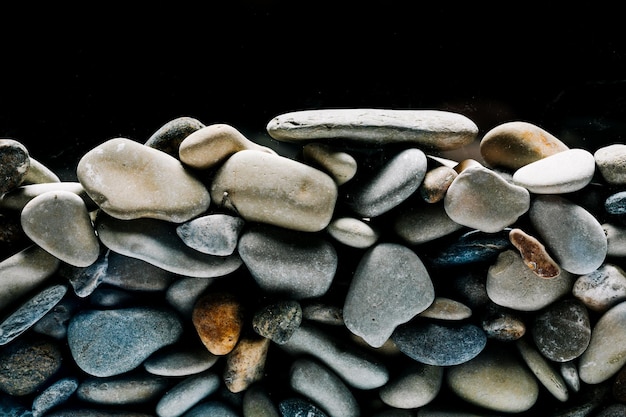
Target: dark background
{"type": "Point", "coordinates": [70, 79]}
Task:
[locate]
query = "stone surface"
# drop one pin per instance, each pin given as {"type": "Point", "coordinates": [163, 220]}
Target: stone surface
{"type": "Point", "coordinates": [481, 199]}
{"type": "Point", "coordinates": [211, 408]}
{"type": "Point", "coordinates": [276, 190]}
{"type": "Point", "coordinates": [245, 364]}
{"type": "Point", "coordinates": [513, 145]}
{"type": "Point", "coordinates": [352, 232]}
{"type": "Point", "coordinates": [16, 199]}
{"type": "Point", "coordinates": [619, 386]}
{"type": "Point", "coordinates": [424, 223]}
{"type": "Point", "coordinates": [129, 180]}
{"type": "Point", "coordinates": [169, 136]}
{"type": "Point", "coordinates": [534, 254]}
{"type": "Point", "coordinates": [278, 321]}
{"type": "Point", "coordinates": [501, 324]}
{"type": "Point", "coordinates": [543, 370]}
{"type": "Point", "coordinates": [323, 313]}
{"type": "Point", "coordinates": [616, 203]}
{"type": "Point", "coordinates": [120, 390]}
{"type": "Point", "coordinates": [184, 292]}
{"type": "Point", "coordinates": [296, 407]}
{"type": "Point", "coordinates": [571, 233]}
{"type": "Point", "coordinates": [214, 234]}
{"type": "Point", "coordinates": [54, 395]}
{"type": "Point", "coordinates": [415, 386]}
{"type": "Point", "coordinates": [276, 258]}
{"type": "Point", "coordinates": [133, 274]}
{"type": "Point", "coordinates": [186, 394]}
{"type": "Point", "coordinates": [444, 308]}
{"type": "Point", "coordinates": [616, 239]}
{"type": "Point", "coordinates": [178, 361]}
{"type": "Point", "coordinates": [338, 164]}
{"type": "Point", "coordinates": [473, 247]}
{"type": "Point", "coordinates": [601, 289]}
{"type": "Point", "coordinates": [427, 128]}
{"type": "Point", "coordinates": [611, 162]}
{"type": "Point", "coordinates": [436, 182]}
{"type": "Point", "coordinates": [38, 173]}
{"type": "Point", "coordinates": [155, 241]}
{"type": "Point", "coordinates": [389, 287]}
{"type": "Point", "coordinates": [14, 164]}
{"type": "Point", "coordinates": [389, 186]}
{"type": "Point", "coordinates": [569, 372]}
{"type": "Point", "coordinates": [54, 323]}
{"type": "Point", "coordinates": [562, 172]}
{"type": "Point", "coordinates": [218, 320]}
{"type": "Point", "coordinates": [110, 342]}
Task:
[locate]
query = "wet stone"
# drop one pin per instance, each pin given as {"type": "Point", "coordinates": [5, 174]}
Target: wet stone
{"type": "Point", "coordinates": [245, 364]}
{"type": "Point", "coordinates": [472, 247]}
{"type": "Point", "coordinates": [424, 223]}
{"type": "Point", "coordinates": [177, 361]}
{"type": "Point", "coordinates": [415, 386]}
{"type": "Point", "coordinates": [186, 394]}
{"type": "Point", "coordinates": [534, 254]}
{"type": "Point", "coordinates": [611, 162]}
{"type": "Point", "coordinates": [214, 234]}
{"type": "Point", "coordinates": [14, 164]}
{"type": "Point", "coordinates": [126, 389]}
{"type": "Point", "coordinates": [169, 136]}
{"type": "Point", "coordinates": [296, 407]}
{"type": "Point", "coordinates": [218, 320]}
{"type": "Point", "coordinates": [436, 182]}
{"type": "Point", "coordinates": [278, 321]}
{"type": "Point", "coordinates": [352, 232]}
{"type": "Point", "coordinates": [53, 396]}
{"type": "Point", "coordinates": [340, 165]}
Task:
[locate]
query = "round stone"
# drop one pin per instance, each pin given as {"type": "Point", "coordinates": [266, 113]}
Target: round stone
{"type": "Point", "coordinates": [415, 386]}
{"type": "Point", "coordinates": [218, 320]}
{"type": "Point", "coordinates": [601, 289]}
{"type": "Point", "coordinates": [14, 164]}
{"type": "Point", "coordinates": [611, 162]}
{"type": "Point", "coordinates": [352, 232]}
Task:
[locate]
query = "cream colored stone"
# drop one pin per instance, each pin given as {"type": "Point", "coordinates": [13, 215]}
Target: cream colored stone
{"type": "Point", "coordinates": [545, 373]}
{"type": "Point", "coordinates": [38, 173]}
{"type": "Point", "coordinates": [444, 308]}
{"type": "Point", "coordinates": [353, 232]}
{"type": "Point", "coordinates": [340, 165]}
{"type": "Point", "coordinates": [245, 364]}
{"type": "Point", "coordinates": [17, 198]}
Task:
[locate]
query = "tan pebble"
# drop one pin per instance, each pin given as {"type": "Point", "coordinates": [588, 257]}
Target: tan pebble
{"type": "Point", "coordinates": [339, 165]}
{"type": "Point", "coordinates": [245, 364]}
{"type": "Point", "coordinates": [38, 173]}
{"type": "Point", "coordinates": [17, 198]}
{"type": "Point", "coordinates": [446, 309]}
{"type": "Point", "coordinates": [515, 144]}
{"type": "Point", "coordinates": [534, 254]}
{"type": "Point", "coordinates": [466, 163]}
{"type": "Point", "coordinates": [218, 319]}
{"type": "Point", "coordinates": [436, 182]}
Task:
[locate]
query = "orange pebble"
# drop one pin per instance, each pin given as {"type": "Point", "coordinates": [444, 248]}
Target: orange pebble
{"type": "Point", "coordinates": [218, 319]}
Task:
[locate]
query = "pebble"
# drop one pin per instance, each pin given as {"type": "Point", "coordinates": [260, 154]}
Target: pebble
{"type": "Point", "coordinates": [180, 360]}
{"type": "Point", "coordinates": [258, 403]}
{"type": "Point", "coordinates": [502, 324]}
{"type": "Point", "coordinates": [121, 390]}
{"type": "Point", "coordinates": [443, 308]}
{"type": "Point", "coordinates": [569, 372]}
{"type": "Point", "coordinates": [110, 342]}
{"type": "Point", "coordinates": [435, 129]}
{"type": "Point", "coordinates": [38, 173]}
{"type": "Point", "coordinates": [85, 280]}
{"type": "Point", "coordinates": [59, 222]}
{"type": "Point", "coordinates": [129, 180]}
{"type": "Point", "coordinates": [496, 381]}
{"type": "Point", "coordinates": [54, 323]}
{"type": "Point", "coordinates": [323, 313]}
{"type": "Point", "coordinates": [353, 365]}
{"type": "Point", "coordinates": [424, 223]}
{"type": "Point", "coordinates": [14, 164]}
{"type": "Point", "coordinates": [54, 395]}
{"type": "Point", "coordinates": [274, 256]}
{"type": "Point", "coordinates": [27, 364]}
{"type": "Point", "coordinates": [338, 164]}
{"type": "Point", "coordinates": [278, 321]}
{"type": "Point", "coordinates": [276, 190]}
{"type": "Point", "coordinates": [471, 248]}
{"type": "Point", "coordinates": [392, 184]}
{"type": "Point", "coordinates": [390, 286]}
{"type": "Point", "coordinates": [218, 320]}
{"type": "Point", "coordinates": [606, 353]}
{"type": "Point", "coordinates": [323, 387]}
{"type": "Point", "coordinates": [184, 292]}
{"type": "Point", "coordinates": [134, 274]}
{"type": "Point", "coordinates": [30, 312]}
{"type": "Point", "coordinates": [439, 344]}
{"type": "Point", "coordinates": [16, 199]}
{"type": "Point", "coordinates": [534, 254]}
{"type": "Point", "coordinates": [245, 364]}
{"type": "Point", "coordinates": [296, 407]}
{"type": "Point", "coordinates": [563, 172]}
{"type": "Point", "coordinates": [186, 394]}
{"type": "Point", "coordinates": [211, 145]}
{"type": "Point", "coordinates": [549, 377]}
{"type": "Point", "coordinates": [611, 160]}
{"type": "Point", "coordinates": [416, 385]}
{"type": "Point", "coordinates": [23, 272]}
{"type": "Point", "coordinates": [571, 233]}
{"type": "Point", "coordinates": [211, 408]}
{"type": "Point", "coordinates": [510, 283]}
{"type": "Point", "coordinates": [155, 241]}
{"type": "Point", "coordinates": [169, 136]}
{"type": "Point", "coordinates": [616, 239]}
{"type": "Point", "coordinates": [616, 203]}
{"type": "Point", "coordinates": [513, 145]}
{"type": "Point", "coordinates": [352, 232]}
{"type": "Point", "coordinates": [436, 183]}
{"type": "Point", "coordinates": [214, 234]}
{"type": "Point", "coordinates": [470, 200]}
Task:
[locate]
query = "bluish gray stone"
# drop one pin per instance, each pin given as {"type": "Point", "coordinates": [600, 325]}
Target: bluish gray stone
{"type": "Point", "coordinates": [471, 248]}
{"type": "Point", "coordinates": [213, 409]}
{"type": "Point", "coordinates": [187, 393]}
{"type": "Point", "coordinates": [177, 361]}
{"type": "Point", "coordinates": [616, 203]}
{"type": "Point", "coordinates": [110, 342]}
{"type": "Point", "coordinates": [214, 234]}
{"type": "Point", "coordinates": [296, 407]}
{"type": "Point", "coordinates": [53, 396]}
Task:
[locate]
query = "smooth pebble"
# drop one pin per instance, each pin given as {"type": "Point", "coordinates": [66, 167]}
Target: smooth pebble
{"type": "Point", "coordinates": [187, 393]}
{"type": "Point", "coordinates": [611, 162]}
{"type": "Point", "coordinates": [218, 320]}
{"type": "Point", "coordinates": [54, 395]}
{"type": "Point", "coordinates": [353, 232]}
{"type": "Point", "coordinates": [120, 390]}
{"type": "Point", "coordinates": [601, 289]}
{"type": "Point", "coordinates": [245, 364]}
{"type": "Point", "coordinates": [545, 372]}
{"type": "Point", "coordinates": [424, 223]}
{"type": "Point", "coordinates": [214, 234]}
{"type": "Point", "coordinates": [178, 361]}
{"type": "Point", "coordinates": [436, 183]}
{"type": "Point", "coordinates": [338, 164]}
{"type": "Point", "coordinates": [415, 386]}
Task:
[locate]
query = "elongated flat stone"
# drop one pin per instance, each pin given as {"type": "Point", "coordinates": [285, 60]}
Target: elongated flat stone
{"type": "Point", "coordinates": [543, 370]}
{"type": "Point", "coordinates": [276, 190]}
{"type": "Point", "coordinates": [352, 232]}
{"type": "Point", "coordinates": [155, 241]}
{"type": "Point", "coordinates": [17, 198]}
{"type": "Point", "coordinates": [186, 394]}
{"type": "Point", "coordinates": [129, 180]}
{"type": "Point", "coordinates": [428, 128]}
{"type": "Point", "coordinates": [125, 389]}
{"type": "Point", "coordinates": [53, 396]}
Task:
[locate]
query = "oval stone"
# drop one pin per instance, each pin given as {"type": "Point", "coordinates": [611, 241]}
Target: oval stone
{"type": "Point", "coordinates": [601, 289]}
{"type": "Point", "coordinates": [389, 287]}
{"type": "Point", "coordinates": [515, 144]}
{"type": "Point", "coordinates": [17, 198]}
{"type": "Point", "coordinates": [245, 364]}
{"type": "Point", "coordinates": [276, 190]}
{"type": "Point", "coordinates": [169, 136]}
{"type": "Point", "coordinates": [218, 320]}
{"type": "Point", "coordinates": [54, 395]}
{"type": "Point", "coordinates": [127, 389]}
{"type": "Point", "coordinates": [424, 223]}
{"type": "Point", "coordinates": [616, 203]}
{"type": "Point", "coordinates": [129, 180]}
{"type": "Point", "coordinates": [415, 386]}
{"type": "Point", "coordinates": [352, 232]}
{"type": "Point", "coordinates": [339, 165]}
{"type": "Point", "coordinates": [573, 234]}
{"type": "Point", "coordinates": [611, 162]}
{"type": "Point", "coordinates": [38, 173]}
{"type": "Point", "coordinates": [436, 183]}
{"type": "Point", "coordinates": [177, 361]}
{"type": "Point", "coordinates": [186, 394]}
{"type": "Point", "coordinates": [214, 234]}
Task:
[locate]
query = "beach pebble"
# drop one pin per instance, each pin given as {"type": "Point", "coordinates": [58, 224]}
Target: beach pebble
{"type": "Point", "coordinates": [389, 287]}
{"type": "Point", "coordinates": [495, 380]}
{"type": "Point", "coordinates": [59, 222]}
{"type": "Point", "coordinates": [390, 185]}
{"type": "Point", "coordinates": [183, 293]}
{"type": "Point", "coordinates": [510, 283]}
{"type": "Point", "coordinates": [54, 395]}
{"type": "Point", "coordinates": [549, 377]}
{"type": "Point", "coordinates": [563, 172]}
{"type": "Point", "coordinates": [276, 257]}
{"type": "Point", "coordinates": [352, 232]}
{"type": "Point", "coordinates": [616, 203]}
{"type": "Point", "coordinates": [187, 393]}
{"type": "Point", "coordinates": [245, 364]}
{"type": "Point", "coordinates": [570, 232]}
{"type": "Point", "coordinates": [258, 403]}
{"type": "Point", "coordinates": [470, 200]}
{"type": "Point", "coordinates": [169, 136]}
{"type": "Point", "coordinates": [444, 308]}
{"type": "Point", "coordinates": [110, 342]}
{"type": "Point", "coordinates": [273, 189]}
{"type": "Point", "coordinates": [129, 180]}
{"type": "Point", "coordinates": [502, 324]}
{"type": "Point", "coordinates": [338, 164]}
{"type": "Point", "coordinates": [16, 199]}
{"type": "Point", "coordinates": [616, 239]}
{"type": "Point", "coordinates": [569, 372]}
{"type": "Point", "coordinates": [416, 385]}
{"type": "Point", "coordinates": [14, 164]}
{"type": "Point", "coordinates": [435, 129]}
{"type": "Point", "coordinates": [297, 407]}
{"type": "Point", "coordinates": [473, 247]}
{"type": "Point", "coordinates": [534, 254]}
{"type": "Point", "coordinates": [606, 353]}
{"type": "Point", "coordinates": [424, 223]}
{"type": "Point", "coordinates": [155, 241]}
{"type": "Point", "coordinates": [601, 289]}
{"type": "Point", "coordinates": [214, 234]}
{"type": "Point", "coordinates": [611, 162]}
{"type": "Point", "coordinates": [180, 360]}
{"type": "Point", "coordinates": [218, 320]}
{"type": "Point", "coordinates": [278, 321]}
{"type": "Point", "coordinates": [209, 146]}
{"type": "Point", "coordinates": [323, 387]}
{"type": "Point", "coordinates": [212, 408]}
{"type": "Point", "coordinates": [436, 182]}
{"type": "Point", "coordinates": [38, 173]}
{"type": "Point", "coordinates": [513, 145]}
{"type": "Point", "coordinates": [120, 390]}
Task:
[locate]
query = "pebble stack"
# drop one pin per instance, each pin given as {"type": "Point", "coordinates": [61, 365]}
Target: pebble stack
{"type": "Point", "coordinates": [198, 273]}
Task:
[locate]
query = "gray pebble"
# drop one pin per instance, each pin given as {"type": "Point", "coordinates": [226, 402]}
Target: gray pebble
{"type": "Point", "coordinates": [616, 239]}
{"type": "Point", "coordinates": [214, 234]}
{"type": "Point", "coordinates": [601, 289]}
{"type": "Point", "coordinates": [545, 372]}
{"type": "Point", "coordinates": [278, 321]}
{"type": "Point", "coordinates": [296, 407]}
{"type": "Point", "coordinates": [120, 390]}
{"type": "Point", "coordinates": [257, 403]}
{"type": "Point", "coordinates": [184, 292]}
{"type": "Point", "coordinates": [415, 386]}
{"type": "Point", "coordinates": [569, 372]}
{"type": "Point", "coordinates": [212, 409]}
{"type": "Point", "coordinates": [134, 274]}
{"type": "Point", "coordinates": [352, 232]}
{"type": "Point", "coordinates": [187, 393]}
{"type": "Point", "coordinates": [177, 361]}
{"type": "Point", "coordinates": [104, 298]}
{"type": "Point", "coordinates": [423, 223]}
{"type": "Point", "coordinates": [611, 160]}
{"type": "Point", "coordinates": [53, 396]}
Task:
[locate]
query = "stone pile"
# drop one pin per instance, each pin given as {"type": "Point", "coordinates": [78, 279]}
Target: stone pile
{"type": "Point", "coordinates": [200, 273]}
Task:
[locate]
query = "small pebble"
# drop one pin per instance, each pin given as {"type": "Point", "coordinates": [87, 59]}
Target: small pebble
{"type": "Point", "coordinates": [14, 164]}
{"type": "Point", "coordinates": [218, 320]}
{"type": "Point", "coordinates": [186, 394]}
{"type": "Point", "coordinates": [569, 372]}
{"type": "Point", "coordinates": [127, 389]}
{"type": "Point", "coordinates": [415, 386]}
{"type": "Point", "coordinates": [352, 232]}
{"type": "Point", "coordinates": [444, 308]}
{"type": "Point", "coordinates": [53, 396]}
{"type": "Point", "coordinates": [278, 321]}
{"type": "Point", "coordinates": [169, 136]}
{"type": "Point", "coordinates": [543, 370]}
{"type": "Point", "coordinates": [616, 203]}
{"type": "Point", "coordinates": [340, 165]}
{"type": "Point", "coordinates": [503, 325]}
{"type": "Point", "coordinates": [214, 234]}
{"type": "Point", "coordinates": [258, 403]}
{"type": "Point", "coordinates": [611, 160]}
{"type": "Point", "coordinates": [601, 289]}
{"type": "Point", "coordinates": [534, 254]}
{"type": "Point", "coordinates": [38, 173]}
{"type": "Point", "coordinates": [436, 182]}
{"type": "Point", "coordinates": [424, 223]}
{"type": "Point", "coordinates": [178, 361]}
{"type": "Point", "coordinates": [296, 407]}
{"type": "Point", "coordinates": [245, 364]}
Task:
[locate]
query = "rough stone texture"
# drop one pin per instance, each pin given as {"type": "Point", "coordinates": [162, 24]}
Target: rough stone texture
{"type": "Point", "coordinates": [186, 394]}
{"type": "Point", "coordinates": [169, 136]}
{"type": "Point", "coordinates": [110, 342]}
{"type": "Point", "coordinates": [601, 289]}
{"type": "Point", "coordinates": [611, 162]}
{"type": "Point", "coordinates": [177, 360]}
{"type": "Point", "coordinates": [54, 395]}
{"type": "Point", "coordinates": [616, 203]}
{"type": "Point", "coordinates": [543, 370]}
{"type": "Point", "coordinates": [352, 232]}
{"type": "Point", "coordinates": [570, 232]}
{"type": "Point", "coordinates": [14, 164]}
{"type": "Point", "coordinates": [515, 144]}
{"type": "Point", "coordinates": [218, 320]}
{"type": "Point", "coordinates": [436, 182]}
{"type": "Point", "coordinates": [16, 199]}
{"type": "Point", "coordinates": [296, 407]}
{"type": "Point", "coordinates": [245, 364]}
{"type": "Point", "coordinates": [534, 254]}
{"type": "Point", "coordinates": [278, 321]}
{"type": "Point", "coordinates": [214, 234]}
{"type": "Point", "coordinates": [129, 180]}
{"type": "Point", "coordinates": [481, 199]}
{"type": "Point", "coordinates": [126, 389]}
{"type": "Point", "coordinates": [424, 223]}
{"type": "Point", "coordinates": [276, 190]}
{"type": "Point", "coordinates": [389, 287]}
{"type": "Point", "coordinates": [415, 386]}
{"type": "Point", "coordinates": [427, 128]}
{"type": "Point", "coordinates": [340, 165]}
{"type": "Point", "coordinates": [59, 222]}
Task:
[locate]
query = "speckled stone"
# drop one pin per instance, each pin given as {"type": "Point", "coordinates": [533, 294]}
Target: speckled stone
{"type": "Point", "coordinates": [602, 288]}
{"type": "Point", "coordinates": [616, 203]}
{"type": "Point", "coordinates": [534, 254]}
{"type": "Point", "coordinates": [278, 321]}
{"type": "Point", "coordinates": [177, 360]}
{"type": "Point", "coordinates": [129, 180]}
{"type": "Point", "coordinates": [545, 372]}
{"type": "Point", "coordinates": [169, 136]}
{"type": "Point", "coordinates": [415, 386]}
{"type": "Point", "coordinates": [436, 182]}
{"type": "Point", "coordinates": [296, 407]}
{"type": "Point", "coordinates": [186, 394]}
{"type": "Point", "coordinates": [14, 164]}
{"type": "Point", "coordinates": [120, 390]}
{"type": "Point", "coordinates": [218, 320]}
{"type": "Point", "coordinates": [427, 128]}
{"type": "Point", "coordinates": [424, 223]}
{"type": "Point", "coordinates": [214, 234]}
{"type": "Point", "coordinates": [611, 162]}
{"type": "Point", "coordinates": [54, 395]}
{"type": "Point", "coordinates": [352, 232]}
{"type": "Point", "coordinates": [338, 164]}
{"type": "Point", "coordinates": [245, 364]}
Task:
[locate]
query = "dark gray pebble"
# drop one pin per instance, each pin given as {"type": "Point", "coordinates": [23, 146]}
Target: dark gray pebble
{"type": "Point", "coordinates": [616, 203]}
{"type": "Point", "coordinates": [169, 136]}
{"type": "Point", "coordinates": [472, 247]}
{"type": "Point", "coordinates": [278, 321]}
{"type": "Point", "coordinates": [296, 407]}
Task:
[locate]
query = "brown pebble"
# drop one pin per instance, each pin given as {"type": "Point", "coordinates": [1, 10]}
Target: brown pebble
{"type": "Point", "coordinates": [14, 164]}
{"type": "Point", "coordinates": [466, 163]}
{"type": "Point", "coordinates": [436, 182]}
{"type": "Point", "coordinates": [245, 364]}
{"type": "Point", "coordinates": [534, 254]}
{"type": "Point", "coordinates": [218, 319]}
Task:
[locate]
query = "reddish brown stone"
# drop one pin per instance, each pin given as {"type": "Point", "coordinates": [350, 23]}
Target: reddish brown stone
{"type": "Point", "coordinates": [534, 254]}
{"type": "Point", "coordinates": [218, 319]}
